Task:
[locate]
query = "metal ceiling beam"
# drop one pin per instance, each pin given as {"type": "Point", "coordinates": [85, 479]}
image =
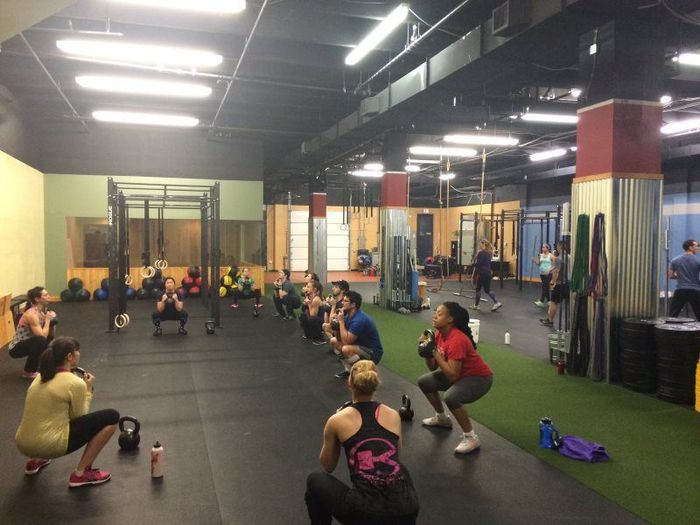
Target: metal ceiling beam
{"type": "Point", "coordinates": [18, 15]}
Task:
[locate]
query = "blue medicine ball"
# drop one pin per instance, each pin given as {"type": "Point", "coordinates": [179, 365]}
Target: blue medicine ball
{"type": "Point", "coordinates": [101, 294]}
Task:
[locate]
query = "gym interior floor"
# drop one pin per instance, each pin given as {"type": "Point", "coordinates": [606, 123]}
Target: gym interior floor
{"type": "Point", "coordinates": [241, 414]}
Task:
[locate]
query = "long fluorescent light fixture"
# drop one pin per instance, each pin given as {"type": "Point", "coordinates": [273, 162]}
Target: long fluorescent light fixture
{"type": "Point", "coordinates": [224, 7]}
{"type": "Point", "coordinates": [412, 168]}
{"type": "Point", "coordinates": [126, 52]}
{"type": "Point", "coordinates": [367, 173]}
{"type": "Point", "coordinates": [550, 118]}
{"type": "Point", "coordinates": [447, 176]}
{"type": "Point", "coordinates": [481, 140]}
{"type": "Point", "coordinates": [147, 119]}
{"type": "Point", "coordinates": [682, 126]}
{"type": "Point", "coordinates": [377, 35]}
{"type": "Point", "coordinates": [549, 154]}
{"type": "Point", "coordinates": [689, 59]}
{"type": "Point", "coordinates": [442, 152]}
{"type": "Point", "coordinates": [142, 86]}
{"type": "Point", "coordinates": [423, 161]}
{"type": "Point", "coordinates": [374, 166]}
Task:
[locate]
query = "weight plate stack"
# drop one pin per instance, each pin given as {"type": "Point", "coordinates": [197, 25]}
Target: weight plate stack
{"type": "Point", "coordinates": [638, 354]}
{"type": "Point", "coordinates": [678, 349]}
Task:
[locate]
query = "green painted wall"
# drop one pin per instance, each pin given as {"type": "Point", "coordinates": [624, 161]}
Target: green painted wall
{"type": "Point", "coordinates": [86, 196]}
{"type": "Point", "coordinates": [21, 226]}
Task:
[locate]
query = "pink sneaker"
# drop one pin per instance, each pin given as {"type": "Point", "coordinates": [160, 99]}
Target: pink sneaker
{"type": "Point", "coordinates": [29, 375]}
{"type": "Point", "coordinates": [90, 477]}
{"type": "Point", "coordinates": [33, 466]}
{"type": "Point", "coordinates": [234, 306]}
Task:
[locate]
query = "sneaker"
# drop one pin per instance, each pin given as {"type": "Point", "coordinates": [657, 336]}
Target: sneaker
{"type": "Point", "coordinates": [181, 330]}
{"type": "Point", "coordinates": [540, 304]}
{"type": "Point", "coordinates": [475, 307]}
{"type": "Point", "coordinates": [318, 342]}
{"type": "Point", "coordinates": [275, 314]}
{"type": "Point", "coordinates": [29, 375]}
{"type": "Point", "coordinates": [158, 331]}
{"type": "Point", "coordinates": [442, 420]}
{"type": "Point", "coordinates": [90, 477]}
{"type": "Point", "coordinates": [468, 444]}
{"type": "Point", "coordinates": [496, 306]}
{"type": "Point", "coordinates": [33, 466]}
{"type": "Point", "coordinates": [259, 305]}
{"type": "Point", "coordinates": [342, 375]}
{"type": "Point", "coordinates": [546, 322]}
{"type": "Point", "coordinates": [234, 306]}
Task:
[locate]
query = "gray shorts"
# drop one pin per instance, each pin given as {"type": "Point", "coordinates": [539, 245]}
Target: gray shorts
{"type": "Point", "coordinates": [369, 354]}
{"type": "Point", "coordinates": [464, 391]}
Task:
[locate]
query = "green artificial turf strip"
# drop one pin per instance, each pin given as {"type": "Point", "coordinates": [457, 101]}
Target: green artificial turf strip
{"type": "Point", "coordinates": [654, 445]}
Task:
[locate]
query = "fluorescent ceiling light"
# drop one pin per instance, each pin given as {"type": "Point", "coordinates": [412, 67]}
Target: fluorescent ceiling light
{"type": "Point", "coordinates": [549, 154]}
{"type": "Point", "coordinates": [126, 52]}
{"type": "Point", "coordinates": [576, 92]}
{"type": "Point", "coordinates": [367, 173]}
{"type": "Point", "coordinates": [442, 152]}
{"type": "Point", "coordinates": [550, 118]}
{"type": "Point", "coordinates": [689, 59]}
{"type": "Point", "coordinates": [682, 126]}
{"type": "Point", "coordinates": [142, 86]}
{"type": "Point", "coordinates": [412, 168]}
{"type": "Point", "coordinates": [573, 148]}
{"type": "Point", "coordinates": [378, 34]}
{"type": "Point", "coordinates": [447, 176]}
{"type": "Point", "coordinates": [666, 99]}
{"type": "Point", "coordinates": [423, 161]}
{"type": "Point", "coordinates": [225, 7]}
{"type": "Point", "coordinates": [481, 140]}
{"type": "Point", "coordinates": [148, 119]}
{"type": "Point", "coordinates": [374, 166]}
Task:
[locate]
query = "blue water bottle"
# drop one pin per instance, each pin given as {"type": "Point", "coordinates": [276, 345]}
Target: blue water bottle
{"type": "Point", "coordinates": [549, 435]}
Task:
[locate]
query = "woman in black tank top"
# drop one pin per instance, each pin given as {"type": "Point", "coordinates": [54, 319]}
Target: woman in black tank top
{"type": "Point", "coordinates": [370, 433]}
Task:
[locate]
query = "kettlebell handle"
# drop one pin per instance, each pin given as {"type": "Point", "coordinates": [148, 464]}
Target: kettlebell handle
{"type": "Point", "coordinates": [406, 401]}
{"type": "Point", "coordinates": [130, 419]}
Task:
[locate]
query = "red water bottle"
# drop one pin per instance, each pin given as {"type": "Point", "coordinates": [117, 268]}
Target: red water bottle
{"type": "Point", "coordinates": [157, 460]}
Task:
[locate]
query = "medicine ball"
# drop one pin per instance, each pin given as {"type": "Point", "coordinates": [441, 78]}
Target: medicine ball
{"type": "Point", "coordinates": [198, 282]}
{"type": "Point", "coordinates": [232, 271]}
{"type": "Point", "coordinates": [105, 284]}
{"type": "Point", "coordinates": [194, 271]}
{"type": "Point", "coordinates": [223, 291]}
{"type": "Point", "coordinates": [194, 291]}
{"type": "Point", "coordinates": [187, 281]}
{"type": "Point", "coordinates": [82, 295]}
{"type": "Point", "coordinates": [158, 274]}
{"type": "Point", "coordinates": [159, 283]}
{"type": "Point", "coordinates": [181, 293]}
{"type": "Point", "coordinates": [227, 280]}
{"type": "Point", "coordinates": [67, 295]}
{"type": "Point", "coordinates": [148, 284]}
{"type": "Point", "coordinates": [130, 293]}
{"type": "Point", "coordinates": [141, 294]}
{"type": "Point", "coordinates": [156, 293]}
{"type": "Point", "coordinates": [101, 294]}
{"type": "Point", "coordinates": [75, 284]}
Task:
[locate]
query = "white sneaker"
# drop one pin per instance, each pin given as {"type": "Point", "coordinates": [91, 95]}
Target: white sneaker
{"type": "Point", "coordinates": [496, 306]}
{"type": "Point", "coordinates": [442, 420]}
{"type": "Point", "coordinates": [468, 444]}
{"type": "Point", "coordinates": [474, 307]}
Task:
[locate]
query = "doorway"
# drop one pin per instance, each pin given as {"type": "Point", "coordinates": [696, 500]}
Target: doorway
{"type": "Point", "coordinates": [424, 236]}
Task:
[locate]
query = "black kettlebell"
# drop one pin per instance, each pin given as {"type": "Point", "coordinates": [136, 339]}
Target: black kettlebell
{"type": "Point", "coordinates": [209, 325]}
{"type": "Point", "coordinates": [256, 311]}
{"type": "Point", "coordinates": [405, 412]}
{"type": "Point", "coordinates": [129, 438]}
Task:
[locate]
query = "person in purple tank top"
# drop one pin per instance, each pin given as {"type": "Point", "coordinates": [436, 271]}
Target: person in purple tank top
{"type": "Point", "coordinates": [382, 490]}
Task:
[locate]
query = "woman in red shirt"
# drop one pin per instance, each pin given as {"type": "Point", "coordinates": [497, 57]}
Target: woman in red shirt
{"type": "Point", "coordinates": [458, 370]}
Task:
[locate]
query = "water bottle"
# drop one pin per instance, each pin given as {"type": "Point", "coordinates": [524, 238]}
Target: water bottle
{"type": "Point", "coordinates": [507, 338]}
{"type": "Point", "coordinates": [549, 435]}
{"type": "Point", "coordinates": [157, 460]}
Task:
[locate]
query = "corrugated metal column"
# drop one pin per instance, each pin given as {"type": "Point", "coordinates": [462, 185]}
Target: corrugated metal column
{"type": "Point", "coordinates": [318, 245]}
{"type": "Point", "coordinates": [394, 231]}
{"type": "Point", "coordinates": [618, 166]}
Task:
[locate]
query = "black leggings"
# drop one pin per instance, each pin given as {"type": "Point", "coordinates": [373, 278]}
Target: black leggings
{"type": "Point", "coordinates": [82, 429]}
{"type": "Point", "coordinates": [32, 349]}
{"type": "Point", "coordinates": [237, 294]}
{"type": "Point", "coordinates": [326, 498]}
{"type": "Point", "coordinates": [546, 279]}
{"type": "Point", "coordinates": [681, 297]}
{"type": "Point", "coordinates": [286, 305]}
{"type": "Point", "coordinates": [167, 315]}
{"type": "Point", "coordinates": [313, 326]}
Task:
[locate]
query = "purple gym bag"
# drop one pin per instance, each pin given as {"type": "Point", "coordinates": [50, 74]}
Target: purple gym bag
{"type": "Point", "coordinates": [578, 448]}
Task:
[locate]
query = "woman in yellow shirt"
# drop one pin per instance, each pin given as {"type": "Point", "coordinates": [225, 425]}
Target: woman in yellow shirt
{"type": "Point", "coordinates": [56, 422]}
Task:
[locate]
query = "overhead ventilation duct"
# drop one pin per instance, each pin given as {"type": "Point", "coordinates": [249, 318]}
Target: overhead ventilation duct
{"type": "Point", "coordinates": [511, 17]}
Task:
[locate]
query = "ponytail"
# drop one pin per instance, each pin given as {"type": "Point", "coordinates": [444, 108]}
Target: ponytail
{"type": "Point", "coordinates": [461, 319]}
{"type": "Point", "coordinates": [55, 355]}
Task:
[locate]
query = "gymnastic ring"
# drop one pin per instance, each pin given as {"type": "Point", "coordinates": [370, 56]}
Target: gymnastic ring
{"type": "Point", "coordinates": [128, 319]}
{"type": "Point", "coordinates": [163, 264]}
{"type": "Point", "coordinates": [157, 264]}
{"type": "Point", "coordinates": [128, 280]}
{"type": "Point", "coordinates": [147, 272]}
{"type": "Point", "coordinates": [120, 321]}
{"type": "Point", "coordinates": [344, 227]}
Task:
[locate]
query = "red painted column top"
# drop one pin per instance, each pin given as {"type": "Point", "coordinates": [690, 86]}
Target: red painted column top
{"type": "Point", "coordinates": [619, 137]}
{"type": "Point", "coordinates": [317, 204]}
{"type": "Point", "coordinates": [395, 190]}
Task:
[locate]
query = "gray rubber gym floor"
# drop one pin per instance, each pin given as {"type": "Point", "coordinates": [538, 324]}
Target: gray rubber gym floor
{"type": "Point", "coordinates": [240, 415]}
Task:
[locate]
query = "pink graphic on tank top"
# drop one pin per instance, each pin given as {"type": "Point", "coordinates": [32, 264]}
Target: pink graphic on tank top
{"type": "Point", "coordinates": [373, 460]}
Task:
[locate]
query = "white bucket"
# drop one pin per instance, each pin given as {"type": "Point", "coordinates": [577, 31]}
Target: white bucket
{"type": "Point", "coordinates": [474, 325]}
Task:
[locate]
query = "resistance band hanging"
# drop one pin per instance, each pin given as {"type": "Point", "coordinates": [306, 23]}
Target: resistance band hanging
{"type": "Point", "coordinates": [127, 278]}
{"type": "Point", "coordinates": [147, 271]}
{"type": "Point", "coordinates": [161, 263]}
